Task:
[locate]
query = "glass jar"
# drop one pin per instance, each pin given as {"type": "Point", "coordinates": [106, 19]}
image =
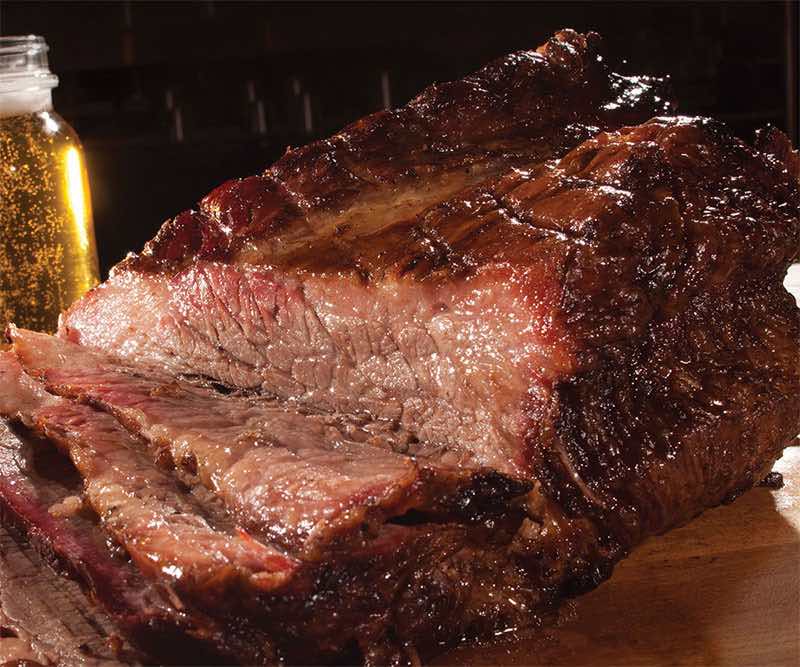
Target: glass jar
{"type": "Point", "coordinates": [48, 256]}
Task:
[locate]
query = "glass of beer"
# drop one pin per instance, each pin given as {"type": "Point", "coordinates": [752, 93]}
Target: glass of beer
{"type": "Point", "coordinates": [47, 246]}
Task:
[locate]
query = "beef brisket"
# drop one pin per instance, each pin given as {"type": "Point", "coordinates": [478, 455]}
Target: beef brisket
{"type": "Point", "coordinates": [465, 325]}
{"type": "Point", "coordinates": [424, 378]}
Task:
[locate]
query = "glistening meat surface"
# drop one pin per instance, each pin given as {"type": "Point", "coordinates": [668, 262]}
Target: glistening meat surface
{"type": "Point", "coordinates": [301, 480]}
{"type": "Point", "coordinates": [367, 353]}
{"type": "Point", "coordinates": [164, 532]}
{"type": "Point", "coordinates": [146, 613]}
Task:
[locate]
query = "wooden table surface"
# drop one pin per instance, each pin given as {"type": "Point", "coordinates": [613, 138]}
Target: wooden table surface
{"type": "Point", "coordinates": [723, 590]}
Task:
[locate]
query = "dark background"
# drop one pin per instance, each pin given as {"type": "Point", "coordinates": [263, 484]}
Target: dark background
{"type": "Point", "coordinates": [171, 99]}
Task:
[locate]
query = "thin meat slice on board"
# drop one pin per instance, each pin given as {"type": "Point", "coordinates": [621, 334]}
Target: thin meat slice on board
{"type": "Point", "coordinates": [167, 535]}
{"type": "Point", "coordinates": [47, 619]}
{"type": "Point", "coordinates": [294, 477]}
{"type": "Point", "coordinates": [35, 489]}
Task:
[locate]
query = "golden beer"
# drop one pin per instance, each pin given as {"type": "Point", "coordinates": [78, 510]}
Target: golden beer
{"type": "Point", "coordinates": [47, 249]}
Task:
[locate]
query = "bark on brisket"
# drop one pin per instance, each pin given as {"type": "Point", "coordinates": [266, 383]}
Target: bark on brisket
{"type": "Point", "coordinates": [697, 402]}
{"type": "Point", "coordinates": [526, 107]}
{"type": "Point", "coordinates": [609, 327]}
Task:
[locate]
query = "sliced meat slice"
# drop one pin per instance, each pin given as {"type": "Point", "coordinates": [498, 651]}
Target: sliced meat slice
{"type": "Point", "coordinates": [165, 533]}
{"type": "Point", "coordinates": [352, 590]}
{"type": "Point", "coordinates": [32, 486]}
{"type": "Point", "coordinates": [303, 480]}
{"type": "Point", "coordinates": [46, 618]}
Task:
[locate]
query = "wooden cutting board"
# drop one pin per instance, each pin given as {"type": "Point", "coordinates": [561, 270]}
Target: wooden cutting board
{"type": "Point", "coordinates": [723, 590]}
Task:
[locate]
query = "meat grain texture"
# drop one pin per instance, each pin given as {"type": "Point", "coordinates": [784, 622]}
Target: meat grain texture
{"type": "Point", "coordinates": [424, 379]}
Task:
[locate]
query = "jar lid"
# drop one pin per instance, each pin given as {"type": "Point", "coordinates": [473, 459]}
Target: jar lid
{"type": "Point", "coordinates": [23, 64]}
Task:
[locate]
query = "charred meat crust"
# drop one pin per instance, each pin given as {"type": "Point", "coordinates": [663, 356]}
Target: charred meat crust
{"type": "Point", "coordinates": [524, 108]}
{"type": "Point", "coordinates": [707, 370]}
{"type": "Point", "coordinates": [497, 290]}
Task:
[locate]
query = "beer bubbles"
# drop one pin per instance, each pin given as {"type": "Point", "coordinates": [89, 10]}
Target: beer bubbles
{"type": "Point", "coordinates": [47, 249]}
